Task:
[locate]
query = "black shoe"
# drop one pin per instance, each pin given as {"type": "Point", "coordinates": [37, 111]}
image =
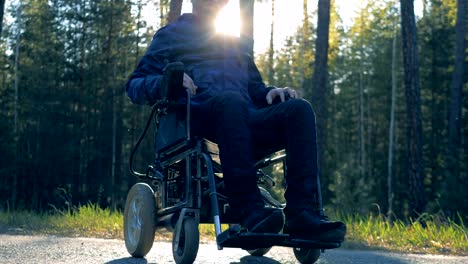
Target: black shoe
{"type": "Point", "coordinates": [313, 225]}
{"type": "Point", "coordinates": [263, 220]}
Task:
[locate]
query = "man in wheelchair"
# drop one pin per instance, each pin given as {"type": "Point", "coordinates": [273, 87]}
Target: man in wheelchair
{"type": "Point", "coordinates": [232, 106]}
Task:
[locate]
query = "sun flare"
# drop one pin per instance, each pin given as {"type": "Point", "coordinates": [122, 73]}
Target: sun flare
{"type": "Point", "coordinates": [228, 20]}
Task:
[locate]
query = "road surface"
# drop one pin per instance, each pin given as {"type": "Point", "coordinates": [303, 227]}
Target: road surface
{"type": "Point", "coordinates": [50, 249]}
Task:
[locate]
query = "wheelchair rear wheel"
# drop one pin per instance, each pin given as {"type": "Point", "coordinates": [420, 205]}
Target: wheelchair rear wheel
{"type": "Point", "coordinates": [306, 256]}
{"type": "Point", "coordinates": [139, 220]}
{"type": "Point", "coordinates": [186, 248]}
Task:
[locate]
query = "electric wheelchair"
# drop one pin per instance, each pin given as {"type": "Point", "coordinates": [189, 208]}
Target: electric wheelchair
{"type": "Point", "coordinates": [183, 187]}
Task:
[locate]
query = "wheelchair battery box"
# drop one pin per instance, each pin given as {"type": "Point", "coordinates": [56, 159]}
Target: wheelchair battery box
{"type": "Point", "coordinates": [175, 184]}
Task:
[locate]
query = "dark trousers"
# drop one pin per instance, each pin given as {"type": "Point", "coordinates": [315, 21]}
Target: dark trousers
{"type": "Point", "coordinates": [241, 133]}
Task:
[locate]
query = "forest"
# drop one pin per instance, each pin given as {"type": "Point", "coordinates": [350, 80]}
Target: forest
{"type": "Point", "coordinates": [389, 94]}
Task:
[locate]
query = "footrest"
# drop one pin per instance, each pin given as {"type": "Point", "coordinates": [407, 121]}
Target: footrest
{"type": "Point", "coordinates": [245, 240]}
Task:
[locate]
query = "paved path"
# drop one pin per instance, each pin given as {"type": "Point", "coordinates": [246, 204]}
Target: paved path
{"type": "Point", "coordinates": [50, 249]}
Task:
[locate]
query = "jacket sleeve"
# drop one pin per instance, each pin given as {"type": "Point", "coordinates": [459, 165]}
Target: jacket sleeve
{"type": "Point", "coordinates": [143, 84]}
{"type": "Point", "coordinates": [257, 88]}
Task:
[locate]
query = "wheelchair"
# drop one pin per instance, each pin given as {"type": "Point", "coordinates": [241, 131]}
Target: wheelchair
{"type": "Point", "coordinates": [183, 188]}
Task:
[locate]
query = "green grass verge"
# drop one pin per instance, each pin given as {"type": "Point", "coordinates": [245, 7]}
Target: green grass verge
{"type": "Point", "coordinates": [88, 221]}
{"type": "Point", "coordinates": [441, 236]}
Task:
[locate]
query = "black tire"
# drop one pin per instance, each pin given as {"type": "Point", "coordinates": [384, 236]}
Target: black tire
{"type": "Point", "coordinates": [258, 252]}
{"type": "Point", "coordinates": [139, 220]}
{"type": "Point", "coordinates": [306, 256]}
{"type": "Point", "coordinates": [188, 242]}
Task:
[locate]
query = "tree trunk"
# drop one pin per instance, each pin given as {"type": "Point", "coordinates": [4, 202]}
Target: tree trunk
{"type": "Point", "coordinates": [174, 11]}
{"type": "Point", "coordinates": [14, 191]}
{"type": "Point", "coordinates": [247, 18]}
{"type": "Point", "coordinates": [417, 198]}
{"type": "Point", "coordinates": [454, 125]}
{"type": "Point", "coordinates": [2, 9]}
{"type": "Point", "coordinates": [85, 147]}
{"type": "Point", "coordinates": [114, 142]}
{"type": "Point", "coordinates": [362, 145]}
{"type": "Point", "coordinates": [110, 61]}
{"type": "Point", "coordinates": [18, 33]}
{"type": "Point", "coordinates": [391, 133]}
{"type": "Point", "coordinates": [271, 51]}
{"type": "Point", "coordinates": [305, 40]}
{"type": "Point", "coordinates": [319, 93]}
{"type": "Point", "coordinates": [454, 149]}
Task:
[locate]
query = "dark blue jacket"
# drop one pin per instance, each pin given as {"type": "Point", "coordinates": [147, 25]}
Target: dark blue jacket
{"type": "Point", "coordinates": [215, 62]}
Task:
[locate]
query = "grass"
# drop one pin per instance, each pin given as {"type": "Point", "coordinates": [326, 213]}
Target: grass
{"type": "Point", "coordinates": [440, 236]}
{"type": "Point", "coordinates": [88, 221]}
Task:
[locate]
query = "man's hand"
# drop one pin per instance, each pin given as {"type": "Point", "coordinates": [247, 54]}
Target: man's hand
{"type": "Point", "coordinates": [272, 94]}
{"type": "Point", "coordinates": [188, 83]}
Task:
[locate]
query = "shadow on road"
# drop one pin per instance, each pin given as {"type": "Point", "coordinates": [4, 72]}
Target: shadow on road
{"type": "Point", "coordinates": [256, 260]}
{"type": "Point", "coordinates": [364, 256]}
{"type": "Point", "coordinates": [243, 260]}
{"type": "Point", "coordinates": [128, 260]}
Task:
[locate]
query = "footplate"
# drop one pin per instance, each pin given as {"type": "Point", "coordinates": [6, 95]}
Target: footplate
{"type": "Point", "coordinates": [236, 239]}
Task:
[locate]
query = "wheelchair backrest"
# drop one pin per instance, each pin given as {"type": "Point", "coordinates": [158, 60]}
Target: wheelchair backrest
{"type": "Point", "coordinates": [171, 130]}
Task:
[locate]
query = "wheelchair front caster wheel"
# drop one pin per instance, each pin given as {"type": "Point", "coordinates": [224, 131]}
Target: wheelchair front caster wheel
{"type": "Point", "coordinates": [186, 248]}
{"type": "Point", "coordinates": [306, 256]}
{"type": "Point", "coordinates": [258, 252]}
{"type": "Point", "coordinates": [139, 220]}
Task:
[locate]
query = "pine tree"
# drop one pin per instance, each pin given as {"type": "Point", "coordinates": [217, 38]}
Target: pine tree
{"type": "Point", "coordinates": [455, 147]}
{"type": "Point", "coordinates": [174, 10]}
{"type": "Point", "coordinates": [319, 94]}
{"type": "Point", "coordinates": [417, 197]}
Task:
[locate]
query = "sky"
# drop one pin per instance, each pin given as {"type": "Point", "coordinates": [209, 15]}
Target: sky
{"type": "Point", "coordinates": [288, 16]}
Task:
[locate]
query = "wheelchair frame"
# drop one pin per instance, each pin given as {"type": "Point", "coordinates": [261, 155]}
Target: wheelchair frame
{"type": "Point", "coordinates": [149, 207]}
